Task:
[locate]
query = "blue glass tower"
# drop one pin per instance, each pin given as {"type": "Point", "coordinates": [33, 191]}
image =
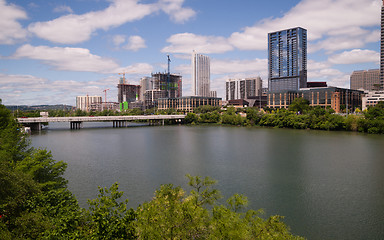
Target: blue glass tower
{"type": "Point", "coordinates": [287, 59]}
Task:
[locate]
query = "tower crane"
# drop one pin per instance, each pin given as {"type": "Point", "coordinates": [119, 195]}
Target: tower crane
{"type": "Point", "coordinates": [123, 73]}
{"type": "Point", "coordinates": [105, 91]}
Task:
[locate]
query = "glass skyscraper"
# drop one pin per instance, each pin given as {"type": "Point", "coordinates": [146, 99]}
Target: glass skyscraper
{"type": "Point", "coordinates": [201, 75]}
{"type": "Point", "coordinates": [287, 59]}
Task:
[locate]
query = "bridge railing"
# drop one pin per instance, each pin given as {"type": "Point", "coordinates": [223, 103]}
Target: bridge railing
{"type": "Point", "coordinates": [98, 118]}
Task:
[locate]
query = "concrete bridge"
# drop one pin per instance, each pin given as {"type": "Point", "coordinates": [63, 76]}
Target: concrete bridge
{"type": "Point", "coordinates": [118, 121]}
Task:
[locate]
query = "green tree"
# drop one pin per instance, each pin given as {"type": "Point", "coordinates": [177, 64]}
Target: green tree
{"type": "Point", "coordinates": [191, 118]}
{"type": "Point", "coordinates": [299, 105]}
{"type": "Point", "coordinates": [174, 214]}
{"type": "Point", "coordinates": [109, 218]}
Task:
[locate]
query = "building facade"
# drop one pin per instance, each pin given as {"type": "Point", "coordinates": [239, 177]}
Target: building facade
{"type": "Point", "coordinates": [336, 98]}
{"type": "Point", "coordinates": [368, 80]}
{"type": "Point", "coordinates": [243, 88]}
{"type": "Point", "coordinates": [287, 59]}
{"type": "Point", "coordinates": [372, 98]}
{"type": "Point", "coordinates": [187, 104]}
{"type": "Point", "coordinates": [84, 102]}
{"type": "Point", "coordinates": [201, 75]}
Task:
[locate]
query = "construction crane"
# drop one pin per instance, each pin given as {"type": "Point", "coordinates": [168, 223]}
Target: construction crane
{"type": "Point", "coordinates": [123, 73]}
{"type": "Point", "coordinates": [105, 91]}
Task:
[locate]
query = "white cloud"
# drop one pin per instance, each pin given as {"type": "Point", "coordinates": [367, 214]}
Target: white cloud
{"type": "Point", "coordinates": [71, 29]}
{"type": "Point", "coordinates": [75, 59]}
{"type": "Point", "coordinates": [30, 90]}
{"type": "Point", "coordinates": [67, 59]}
{"type": "Point", "coordinates": [135, 43]}
{"type": "Point", "coordinates": [355, 56]}
{"type": "Point", "coordinates": [63, 9]}
{"type": "Point", "coordinates": [11, 30]}
{"type": "Point", "coordinates": [256, 67]}
{"type": "Point", "coordinates": [118, 40]}
{"type": "Point", "coordinates": [176, 11]}
{"type": "Point", "coordinates": [325, 18]}
{"type": "Point", "coordinates": [187, 42]}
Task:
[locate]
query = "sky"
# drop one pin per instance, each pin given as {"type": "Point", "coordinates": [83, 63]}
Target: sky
{"type": "Point", "coordinates": [52, 51]}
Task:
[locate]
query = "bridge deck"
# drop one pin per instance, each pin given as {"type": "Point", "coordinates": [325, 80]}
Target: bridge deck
{"type": "Point", "coordinates": [98, 118]}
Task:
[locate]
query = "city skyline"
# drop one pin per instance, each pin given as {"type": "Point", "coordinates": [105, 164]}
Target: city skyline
{"type": "Point", "coordinates": [52, 52]}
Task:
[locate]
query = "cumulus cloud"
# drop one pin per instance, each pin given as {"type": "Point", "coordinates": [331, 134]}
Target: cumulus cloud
{"type": "Point", "coordinates": [135, 43]}
{"type": "Point", "coordinates": [355, 56]}
{"type": "Point", "coordinates": [67, 59]}
{"type": "Point", "coordinates": [72, 28]}
{"type": "Point", "coordinates": [63, 9]}
{"type": "Point", "coordinates": [11, 30]}
{"type": "Point", "coordinates": [118, 40]}
{"type": "Point", "coordinates": [256, 66]}
{"type": "Point", "coordinates": [175, 9]}
{"type": "Point", "coordinates": [327, 18]}
{"type": "Point", "coordinates": [187, 42]}
{"type": "Point", "coordinates": [74, 59]}
{"type": "Point", "coordinates": [29, 90]}
{"type": "Point", "coordinates": [78, 28]}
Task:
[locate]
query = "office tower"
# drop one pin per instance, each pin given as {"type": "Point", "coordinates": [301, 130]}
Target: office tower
{"type": "Point", "coordinates": [365, 80]}
{"type": "Point", "coordinates": [201, 75]}
{"type": "Point", "coordinates": [287, 59]}
{"type": "Point", "coordinates": [243, 88]}
{"type": "Point", "coordinates": [382, 48]}
{"type": "Point", "coordinates": [84, 102]}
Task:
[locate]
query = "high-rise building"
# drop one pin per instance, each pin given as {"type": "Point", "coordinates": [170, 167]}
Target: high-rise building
{"type": "Point", "coordinates": [146, 84]}
{"type": "Point", "coordinates": [84, 102]}
{"type": "Point", "coordinates": [201, 75]}
{"type": "Point", "coordinates": [365, 80]}
{"type": "Point", "coordinates": [243, 88]}
{"type": "Point", "coordinates": [287, 59]}
{"type": "Point", "coordinates": [382, 48]}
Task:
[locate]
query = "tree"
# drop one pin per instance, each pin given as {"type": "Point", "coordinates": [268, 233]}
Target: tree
{"type": "Point", "coordinates": [299, 105]}
{"type": "Point", "coordinates": [191, 118]}
{"type": "Point", "coordinates": [109, 218]}
{"type": "Point", "coordinates": [174, 214]}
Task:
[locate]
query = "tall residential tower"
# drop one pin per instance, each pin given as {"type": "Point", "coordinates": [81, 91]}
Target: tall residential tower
{"type": "Point", "coordinates": [287, 59]}
{"type": "Point", "coordinates": [201, 75]}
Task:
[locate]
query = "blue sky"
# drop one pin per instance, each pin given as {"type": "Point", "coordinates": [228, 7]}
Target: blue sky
{"type": "Point", "coordinates": [52, 51]}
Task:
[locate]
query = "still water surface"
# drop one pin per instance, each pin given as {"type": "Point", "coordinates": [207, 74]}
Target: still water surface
{"type": "Point", "coordinates": [328, 185]}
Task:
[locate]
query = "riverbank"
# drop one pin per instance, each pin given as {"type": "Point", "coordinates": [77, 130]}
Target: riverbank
{"type": "Point", "coordinates": [371, 121]}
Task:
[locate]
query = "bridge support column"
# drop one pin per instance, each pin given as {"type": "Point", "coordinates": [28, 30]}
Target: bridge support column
{"type": "Point", "coordinates": [76, 125]}
{"type": "Point", "coordinates": [35, 126]}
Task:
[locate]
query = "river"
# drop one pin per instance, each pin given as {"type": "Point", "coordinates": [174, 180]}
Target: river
{"type": "Point", "coordinates": [328, 185]}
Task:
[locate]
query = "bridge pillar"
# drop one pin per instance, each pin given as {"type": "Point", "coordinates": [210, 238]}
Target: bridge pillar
{"type": "Point", "coordinates": [76, 125]}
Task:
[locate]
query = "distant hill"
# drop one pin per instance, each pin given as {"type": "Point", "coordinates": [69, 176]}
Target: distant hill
{"type": "Point", "coordinates": [39, 107]}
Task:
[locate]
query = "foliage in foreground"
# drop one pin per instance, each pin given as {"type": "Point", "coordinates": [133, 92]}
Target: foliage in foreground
{"type": "Point", "coordinates": [36, 204]}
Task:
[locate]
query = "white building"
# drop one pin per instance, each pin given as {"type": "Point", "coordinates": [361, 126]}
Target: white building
{"type": "Point", "coordinates": [243, 88]}
{"type": "Point", "coordinates": [372, 98]}
{"type": "Point", "coordinates": [201, 75]}
{"type": "Point", "coordinates": [84, 102]}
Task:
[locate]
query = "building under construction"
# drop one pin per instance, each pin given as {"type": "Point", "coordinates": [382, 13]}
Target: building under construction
{"type": "Point", "coordinates": [170, 83]}
{"type": "Point", "coordinates": [128, 93]}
